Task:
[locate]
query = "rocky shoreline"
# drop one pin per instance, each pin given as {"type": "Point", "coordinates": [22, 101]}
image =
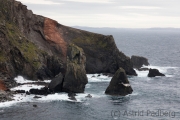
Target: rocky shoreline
{"type": "Point", "coordinates": [39, 48]}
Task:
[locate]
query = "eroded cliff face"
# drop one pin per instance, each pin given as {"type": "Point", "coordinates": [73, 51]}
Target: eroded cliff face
{"type": "Point", "coordinates": [27, 47]}
{"type": "Point", "coordinates": [51, 34]}
{"type": "Point", "coordinates": [36, 47]}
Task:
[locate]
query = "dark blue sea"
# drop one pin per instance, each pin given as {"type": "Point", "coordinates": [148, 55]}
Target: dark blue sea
{"type": "Point", "coordinates": [152, 99]}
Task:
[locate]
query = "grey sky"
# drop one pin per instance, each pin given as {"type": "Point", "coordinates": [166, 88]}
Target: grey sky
{"type": "Point", "coordinates": [110, 13]}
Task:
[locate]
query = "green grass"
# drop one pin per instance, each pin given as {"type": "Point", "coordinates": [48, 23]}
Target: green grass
{"type": "Point", "coordinates": [92, 40]}
{"type": "Point", "coordinates": [28, 49]}
{"type": "Point", "coordinates": [3, 58]}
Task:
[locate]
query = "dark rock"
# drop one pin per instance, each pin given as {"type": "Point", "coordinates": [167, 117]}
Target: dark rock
{"type": "Point", "coordinates": [34, 105]}
{"type": "Point", "coordinates": [70, 94]}
{"type": "Point", "coordinates": [75, 77]}
{"type": "Point", "coordinates": [28, 93]}
{"type": "Point", "coordinates": [5, 96]}
{"type": "Point", "coordinates": [102, 54]}
{"type": "Point", "coordinates": [143, 69]}
{"type": "Point", "coordinates": [37, 97]}
{"type": "Point", "coordinates": [119, 84]}
{"type": "Point", "coordinates": [43, 91]}
{"type": "Point", "coordinates": [139, 61]}
{"type": "Point", "coordinates": [57, 83]}
{"type": "Point", "coordinates": [20, 91]}
{"type": "Point", "coordinates": [154, 73]}
{"type": "Point", "coordinates": [72, 98]}
{"type": "Point", "coordinates": [89, 96]}
{"type": "Point", "coordinates": [108, 74]}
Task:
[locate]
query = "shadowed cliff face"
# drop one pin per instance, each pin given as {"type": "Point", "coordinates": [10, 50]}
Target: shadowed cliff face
{"type": "Point", "coordinates": [101, 51]}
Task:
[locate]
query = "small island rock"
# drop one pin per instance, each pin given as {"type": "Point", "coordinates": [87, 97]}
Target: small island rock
{"type": "Point", "coordinates": [154, 73]}
{"type": "Point", "coordinates": [119, 84]}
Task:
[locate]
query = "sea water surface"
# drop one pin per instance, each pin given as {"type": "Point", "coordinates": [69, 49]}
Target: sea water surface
{"type": "Point", "coordinates": [152, 99]}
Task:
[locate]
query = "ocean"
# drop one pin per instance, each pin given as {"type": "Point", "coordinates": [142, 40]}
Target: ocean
{"type": "Point", "coordinates": [155, 98]}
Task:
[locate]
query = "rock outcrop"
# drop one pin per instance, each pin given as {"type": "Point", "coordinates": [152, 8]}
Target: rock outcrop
{"type": "Point", "coordinates": [139, 61]}
{"type": "Point", "coordinates": [42, 91]}
{"type": "Point", "coordinates": [154, 73]}
{"type": "Point", "coordinates": [101, 52]}
{"type": "Point", "coordinates": [5, 96]}
{"type": "Point", "coordinates": [75, 78]}
{"type": "Point", "coordinates": [119, 84]}
{"type": "Point", "coordinates": [36, 47]}
{"type": "Point", "coordinates": [56, 83]}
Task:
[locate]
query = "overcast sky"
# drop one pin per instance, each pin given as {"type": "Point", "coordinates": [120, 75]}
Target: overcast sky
{"type": "Point", "coordinates": [110, 13]}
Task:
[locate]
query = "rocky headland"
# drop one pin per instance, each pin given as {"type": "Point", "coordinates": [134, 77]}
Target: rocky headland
{"type": "Point", "coordinates": [39, 48]}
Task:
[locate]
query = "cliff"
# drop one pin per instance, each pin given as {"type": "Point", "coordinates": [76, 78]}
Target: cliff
{"type": "Point", "coordinates": [36, 47]}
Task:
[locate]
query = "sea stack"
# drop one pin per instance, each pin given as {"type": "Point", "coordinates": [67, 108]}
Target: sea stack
{"type": "Point", "coordinates": [119, 84]}
{"type": "Point", "coordinates": [154, 73]}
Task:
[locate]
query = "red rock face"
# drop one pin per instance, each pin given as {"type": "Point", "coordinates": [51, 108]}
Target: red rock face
{"type": "Point", "coordinates": [2, 86]}
{"type": "Point", "coordinates": [51, 34]}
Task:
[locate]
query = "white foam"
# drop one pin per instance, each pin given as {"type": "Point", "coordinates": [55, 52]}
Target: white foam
{"type": "Point", "coordinates": [142, 73]}
{"type": "Point", "coordinates": [160, 68]}
{"type": "Point", "coordinates": [126, 85]}
{"type": "Point", "coordinates": [7, 104]}
{"type": "Point", "coordinates": [27, 87]}
{"type": "Point", "coordinates": [20, 79]}
{"type": "Point", "coordinates": [98, 78]}
{"type": "Point", "coordinates": [55, 97]}
{"type": "Point", "coordinates": [133, 94]}
{"type": "Point", "coordinates": [18, 98]}
{"type": "Point", "coordinates": [47, 81]}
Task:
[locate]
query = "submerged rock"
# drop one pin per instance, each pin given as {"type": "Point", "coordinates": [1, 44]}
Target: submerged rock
{"type": "Point", "coordinates": [108, 74]}
{"type": "Point", "coordinates": [119, 84]}
{"type": "Point", "coordinates": [20, 91]}
{"type": "Point", "coordinates": [154, 73]}
{"type": "Point", "coordinates": [71, 96]}
{"type": "Point", "coordinates": [89, 96]}
{"type": "Point", "coordinates": [34, 105]}
{"type": "Point", "coordinates": [37, 97]}
{"type": "Point", "coordinates": [139, 61]}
